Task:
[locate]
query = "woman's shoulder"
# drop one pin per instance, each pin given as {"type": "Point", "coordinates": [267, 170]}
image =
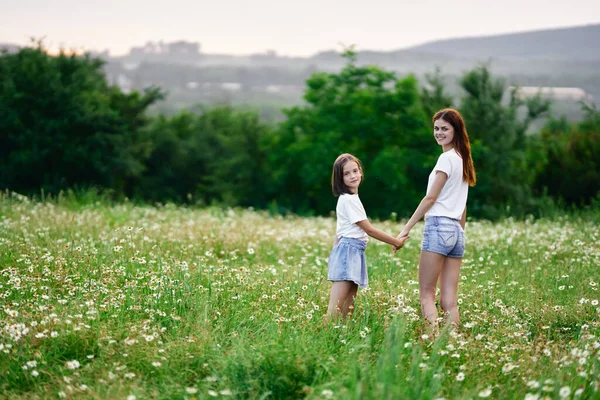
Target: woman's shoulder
{"type": "Point", "coordinates": [450, 155]}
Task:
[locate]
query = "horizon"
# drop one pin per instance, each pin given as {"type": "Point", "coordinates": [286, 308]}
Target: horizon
{"type": "Point", "coordinates": [266, 25]}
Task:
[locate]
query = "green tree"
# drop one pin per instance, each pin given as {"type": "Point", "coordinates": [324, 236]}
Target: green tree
{"type": "Point", "coordinates": [362, 110]}
{"type": "Point", "coordinates": [62, 125]}
{"type": "Point", "coordinates": [568, 154]}
{"type": "Point", "coordinates": [433, 94]}
{"type": "Point", "coordinates": [214, 156]}
{"type": "Point", "coordinates": [498, 135]}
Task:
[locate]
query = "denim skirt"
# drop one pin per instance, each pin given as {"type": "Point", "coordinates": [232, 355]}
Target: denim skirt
{"type": "Point", "coordinates": [444, 236]}
{"type": "Point", "coordinates": [347, 262]}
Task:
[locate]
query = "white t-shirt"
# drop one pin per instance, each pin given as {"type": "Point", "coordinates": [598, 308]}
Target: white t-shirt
{"type": "Point", "coordinates": [453, 198]}
{"type": "Point", "coordinates": [349, 211]}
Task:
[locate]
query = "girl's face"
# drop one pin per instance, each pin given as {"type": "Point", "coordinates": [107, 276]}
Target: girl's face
{"type": "Point", "coordinates": [443, 133]}
{"type": "Point", "coordinates": [352, 176]}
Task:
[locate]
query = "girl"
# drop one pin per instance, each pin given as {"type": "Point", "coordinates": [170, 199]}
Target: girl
{"type": "Point", "coordinates": [347, 268]}
{"type": "Point", "coordinates": [445, 211]}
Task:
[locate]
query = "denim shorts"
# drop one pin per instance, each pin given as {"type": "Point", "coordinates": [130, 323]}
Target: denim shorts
{"type": "Point", "coordinates": [444, 236]}
{"type": "Point", "coordinates": [347, 262]}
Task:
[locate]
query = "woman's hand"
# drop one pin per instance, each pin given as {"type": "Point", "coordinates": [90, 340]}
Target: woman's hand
{"type": "Point", "coordinates": [404, 232]}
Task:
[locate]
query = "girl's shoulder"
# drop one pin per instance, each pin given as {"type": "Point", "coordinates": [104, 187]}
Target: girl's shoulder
{"type": "Point", "coordinates": [346, 198]}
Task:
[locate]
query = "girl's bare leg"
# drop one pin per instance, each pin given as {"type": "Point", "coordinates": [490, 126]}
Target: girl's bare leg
{"type": "Point", "coordinates": [348, 306]}
{"type": "Point", "coordinates": [339, 293]}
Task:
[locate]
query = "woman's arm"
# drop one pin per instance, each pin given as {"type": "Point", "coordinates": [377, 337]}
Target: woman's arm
{"type": "Point", "coordinates": [366, 226]}
{"type": "Point", "coordinates": [428, 201]}
{"type": "Point", "coordinates": [463, 219]}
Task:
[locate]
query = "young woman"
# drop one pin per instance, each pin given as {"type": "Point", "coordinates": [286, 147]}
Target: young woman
{"type": "Point", "coordinates": [444, 208]}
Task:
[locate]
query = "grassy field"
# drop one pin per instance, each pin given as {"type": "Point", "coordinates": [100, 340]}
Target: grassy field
{"type": "Point", "coordinates": [121, 302]}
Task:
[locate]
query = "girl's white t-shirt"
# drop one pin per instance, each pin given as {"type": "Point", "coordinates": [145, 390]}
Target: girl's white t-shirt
{"type": "Point", "coordinates": [453, 198]}
{"type": "Point", "coordinates": [349, 211]}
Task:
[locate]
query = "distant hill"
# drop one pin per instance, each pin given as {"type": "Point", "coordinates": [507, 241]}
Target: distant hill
{"type": "Point", "coordinates": [576, 43]}
{"type": "Point", "coordinates": [565, 57]}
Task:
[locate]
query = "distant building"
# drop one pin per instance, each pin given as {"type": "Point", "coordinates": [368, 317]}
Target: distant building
{"type": "Point", "coordinates": [181, 49]}
{"type": "Point", "coordinates": [558, 93]}
{"type": "Point", "coordinates": [231, 86]}
{"type": "Point", "coordinates": [124, 83]}
{"type": "Point", "coordinates": [10, 48]}
{"type": "Point", "coordinates": [184, 48]}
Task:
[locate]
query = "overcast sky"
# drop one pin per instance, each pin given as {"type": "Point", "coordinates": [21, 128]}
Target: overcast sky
{"type": "Point", "coordinates": [289, 27]}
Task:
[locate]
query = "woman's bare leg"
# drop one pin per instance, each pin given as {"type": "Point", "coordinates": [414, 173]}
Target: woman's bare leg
{"type": "Point", "coordinates": [449, 288]}
{"type": "Point", "coordinates": [430, 266]}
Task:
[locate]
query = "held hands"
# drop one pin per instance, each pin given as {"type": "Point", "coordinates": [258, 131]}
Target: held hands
{"type": "Point", "coordinates": [400, 244]}
{"type": "Point", "coordinates": [402, 237]}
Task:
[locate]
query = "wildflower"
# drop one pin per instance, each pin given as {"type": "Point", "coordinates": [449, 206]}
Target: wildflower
{"type": "Point", "coordinates": [191, 390]}
{"type": "Point", "coordinates": [508, 367]}
{"type": "Point", "coordinates": [533, 384]}
{"type": "Point", "coordinates": [460, 377]}
{"type": "Point", "coordinates": [74, 364]}
{"type": "Point", "coordinates": [485, 393]}
{"type": "Point", "coordinates": [565, 391]}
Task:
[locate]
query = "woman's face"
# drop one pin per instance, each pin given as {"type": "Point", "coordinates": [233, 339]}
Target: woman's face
{"type": "Point", "coordinates": [443, 132]}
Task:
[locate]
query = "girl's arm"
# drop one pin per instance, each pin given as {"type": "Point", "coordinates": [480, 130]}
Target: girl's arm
{"type": "Point", "coordinates": [335, 240]}
{"type": "Point", "coordinates": [366, 226]}
{"type": "Point", "coordinates": [428, 201]}
{"type": "Point", "coordinates": [463, 219]}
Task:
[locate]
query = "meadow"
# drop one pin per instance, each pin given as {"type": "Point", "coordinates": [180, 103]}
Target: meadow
{"type": "Point", "coordinates": [125, 301]}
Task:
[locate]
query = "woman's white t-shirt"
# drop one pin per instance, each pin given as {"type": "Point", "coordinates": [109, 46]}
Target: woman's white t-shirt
{"type": "Point", "coordinates": [453, 198]}
{"type": "Point", "coordinates": [349, 211]}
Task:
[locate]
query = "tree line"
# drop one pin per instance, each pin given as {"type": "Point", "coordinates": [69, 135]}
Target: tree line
{"type": "Point", "coordinates": [63, 126]}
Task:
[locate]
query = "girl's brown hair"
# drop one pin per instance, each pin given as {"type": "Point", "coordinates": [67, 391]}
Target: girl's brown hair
{"type": "Point", "coordinates": [337, 177]}
{"type": "Point", "coordinates": [461, 141]}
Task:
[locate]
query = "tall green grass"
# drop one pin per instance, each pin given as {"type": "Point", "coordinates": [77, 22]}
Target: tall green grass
{"type": "Point", "coordinates": [112, 300]}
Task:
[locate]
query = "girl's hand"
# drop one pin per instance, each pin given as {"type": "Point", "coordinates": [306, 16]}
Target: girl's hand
{"type": "Point", "coordinates": [400, 243]}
